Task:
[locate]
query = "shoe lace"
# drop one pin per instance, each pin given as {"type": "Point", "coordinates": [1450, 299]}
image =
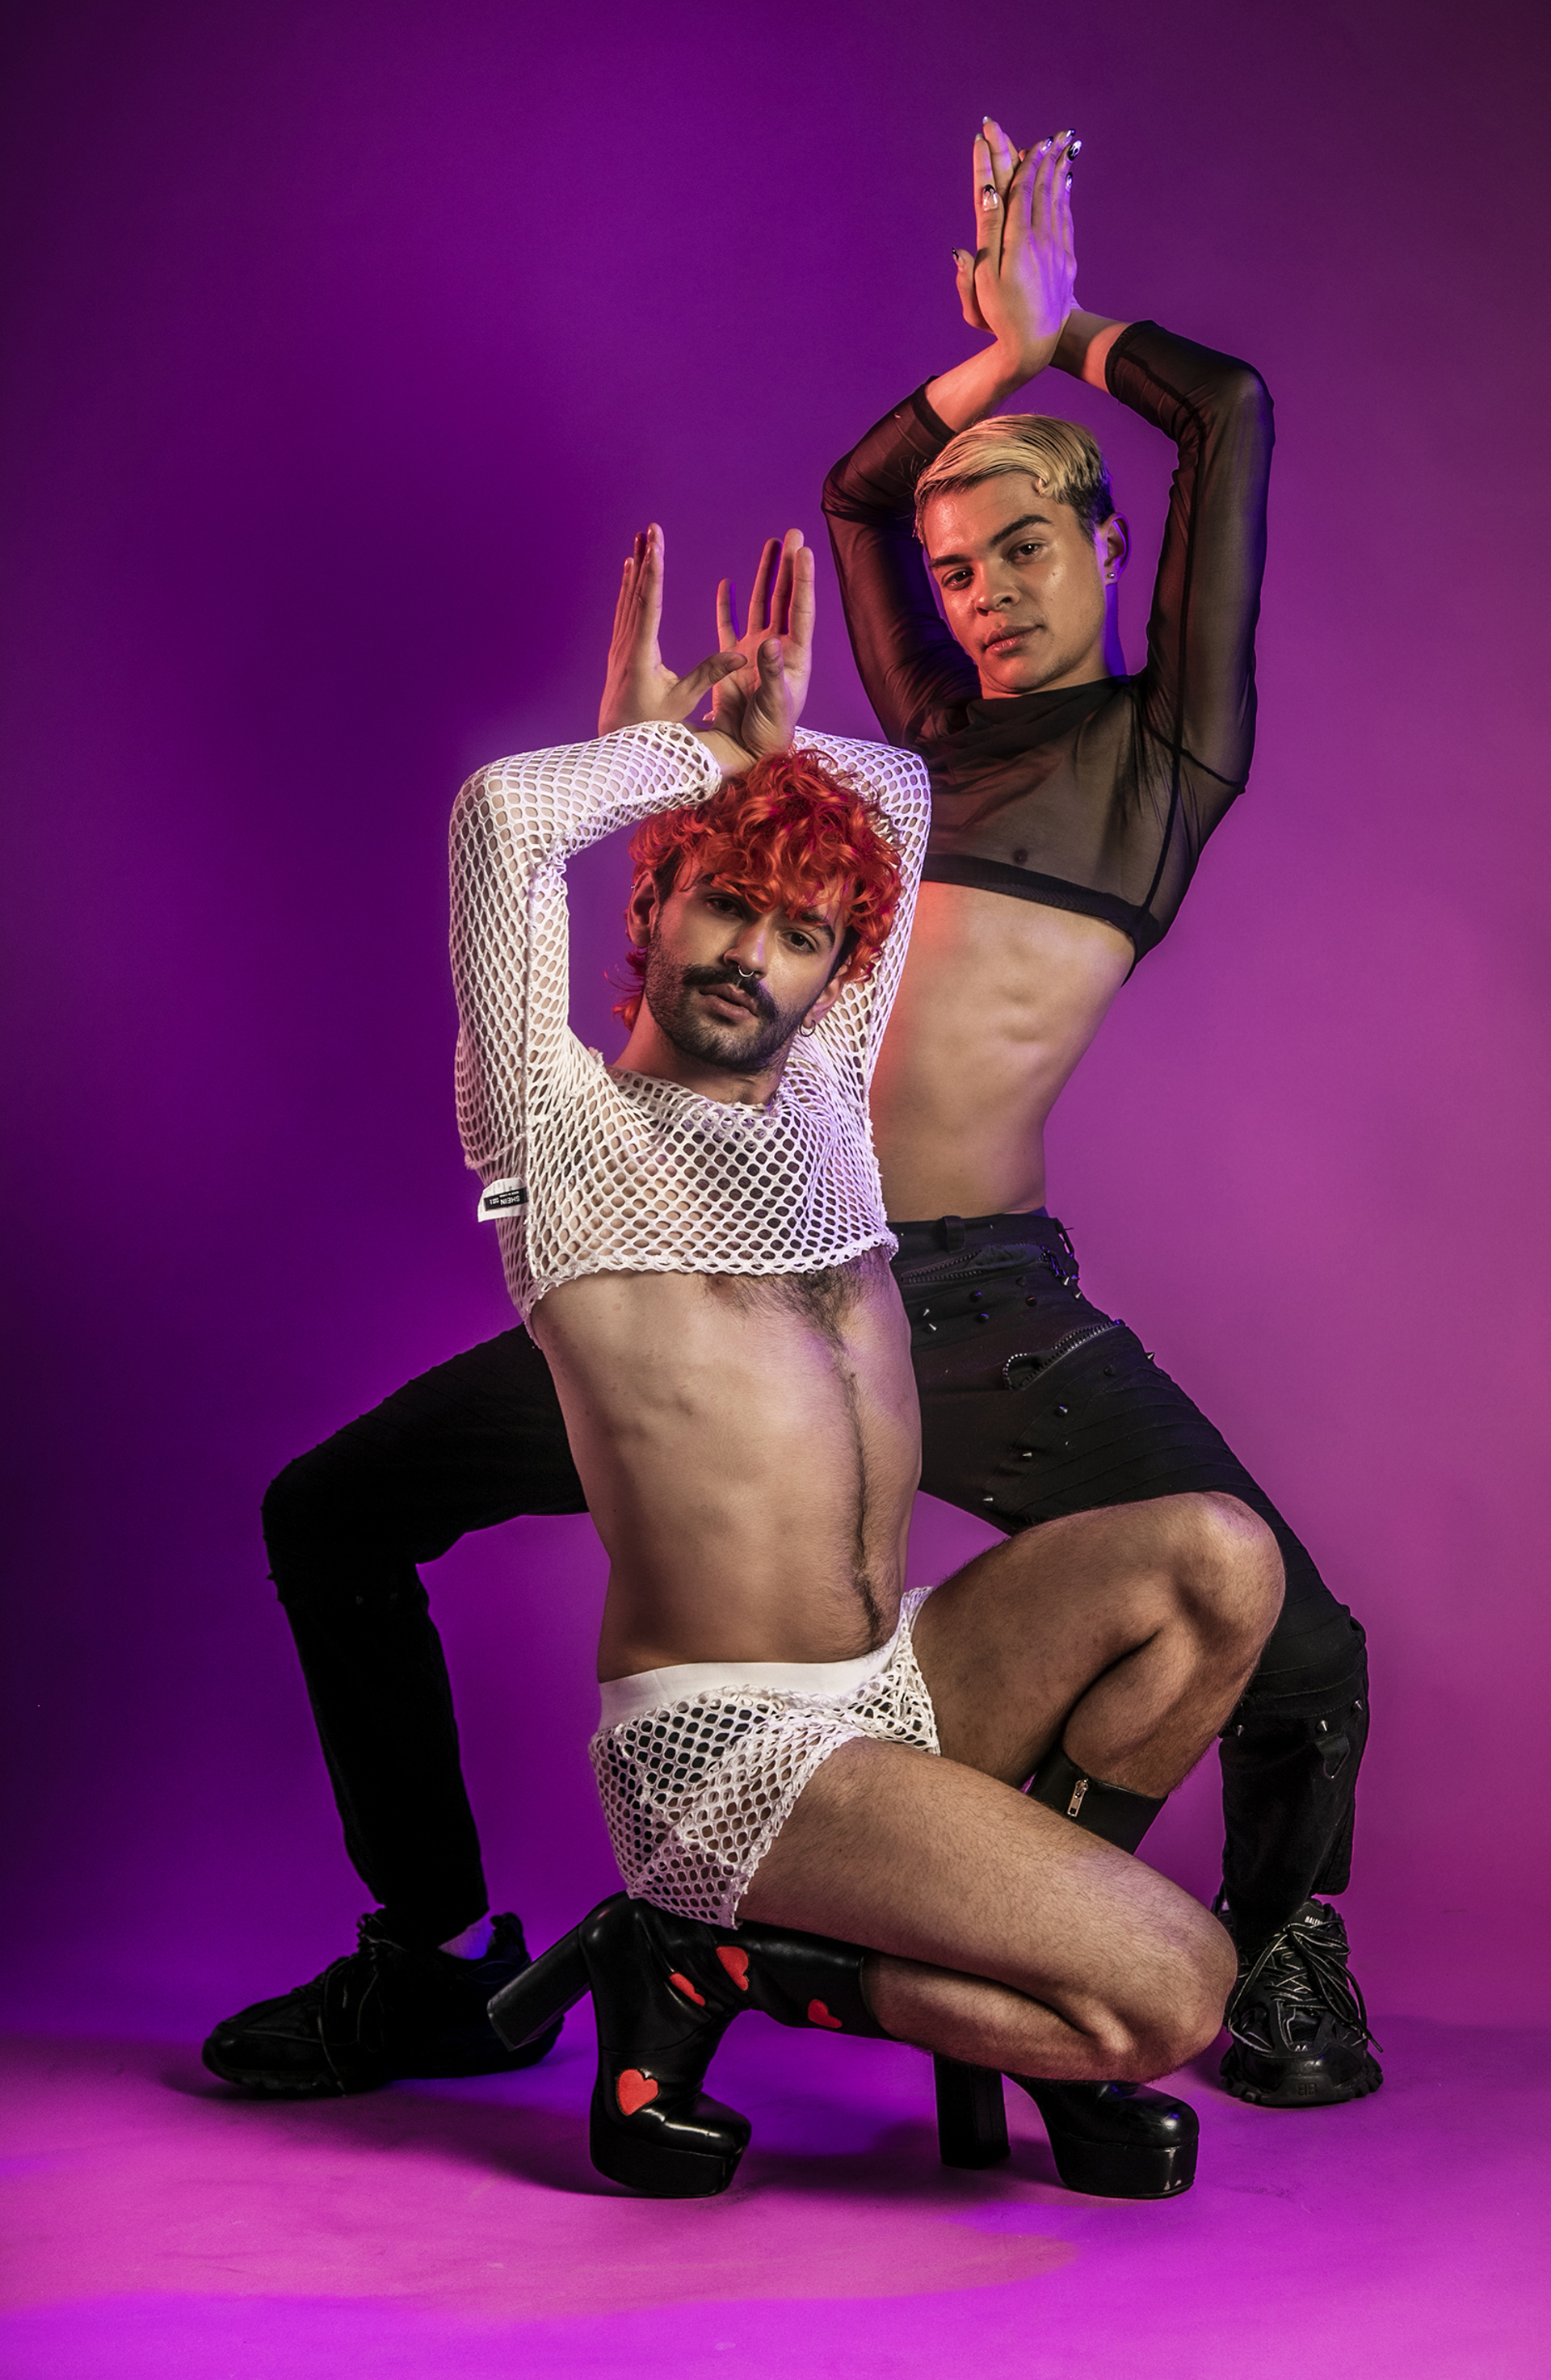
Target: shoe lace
{"type": "Point", "coordinates": [360, 1981]}
{"type": "Point", "coordinates": [1305, 1968]}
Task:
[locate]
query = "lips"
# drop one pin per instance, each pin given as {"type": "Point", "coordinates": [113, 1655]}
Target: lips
{"type": "Point", "coordinates": [725, 992]}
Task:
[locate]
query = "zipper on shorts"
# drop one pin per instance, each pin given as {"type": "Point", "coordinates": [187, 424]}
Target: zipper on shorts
{"type": "Point", "coordinates": [1063, 1347]}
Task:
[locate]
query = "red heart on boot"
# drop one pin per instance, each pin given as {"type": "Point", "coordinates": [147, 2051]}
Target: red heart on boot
{"type": "Point", "coordinates": [819, 2014]}
{"type": "Point", "coordinates": [736, 1964]}
{"type": "Point", "coordinates": [682, 1984]}
{"type": "Point", "coordinates": [634, 2090]}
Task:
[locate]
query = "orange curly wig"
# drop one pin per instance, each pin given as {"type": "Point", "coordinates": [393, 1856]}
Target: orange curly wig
{"type": "Point", "coordinates": [789, 834]}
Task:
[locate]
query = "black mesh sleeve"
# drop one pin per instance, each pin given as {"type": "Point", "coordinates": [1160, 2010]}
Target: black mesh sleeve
{"type": "Point", "coordinates": [1196, 695]}
{"type": "Point", "coordinates": [908, 661]}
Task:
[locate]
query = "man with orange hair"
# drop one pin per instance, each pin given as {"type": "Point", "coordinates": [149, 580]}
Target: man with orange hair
{"type": "Point", "coordinates": [695, 1237]}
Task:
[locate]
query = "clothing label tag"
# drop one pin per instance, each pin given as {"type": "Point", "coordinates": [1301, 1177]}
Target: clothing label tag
{"type": "Point", "coordinates": [501, 1199]}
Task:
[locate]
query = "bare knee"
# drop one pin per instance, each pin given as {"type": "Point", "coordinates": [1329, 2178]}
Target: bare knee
{"type": "Point", "coordinates": [1229, 1574]}
{"type": "Point", "coordinates": [1178, 2010]}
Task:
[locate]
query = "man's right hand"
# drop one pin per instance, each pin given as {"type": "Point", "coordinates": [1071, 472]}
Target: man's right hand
{"type": "Point", "coordinates": [1019, 281]}
{"type": "Point", "coordinates": [639, 685]}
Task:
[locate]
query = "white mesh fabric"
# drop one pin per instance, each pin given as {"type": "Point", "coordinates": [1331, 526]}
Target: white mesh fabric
{"type": "Point", "coordinates": [694, 1792]}
{"type": "Point", "coordinates": [587, 1170]}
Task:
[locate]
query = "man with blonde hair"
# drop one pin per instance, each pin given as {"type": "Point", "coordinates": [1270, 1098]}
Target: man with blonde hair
{"type": "Point", "coordinates": [1069, 805]}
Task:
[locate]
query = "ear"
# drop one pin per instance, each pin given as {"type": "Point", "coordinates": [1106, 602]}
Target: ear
{"type": "Point", "coordinates": [828, 996]}
{"type": "Point", "coordinates": [643, 907]}
{"type": "Point", "coordinates": [1112, 544]}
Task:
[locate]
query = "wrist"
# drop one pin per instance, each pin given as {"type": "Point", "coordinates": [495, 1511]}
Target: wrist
{"type": "Point", "coordinates": [1032, 358]}
{"type": "Point", "coordinates": [976, 387]}
{"type": "Point", "coordinates": [1084, 346]}
{"type": "Point", "coordinates": [727, 753]}
{"type": "Point", "coordinates": [1008, 364]}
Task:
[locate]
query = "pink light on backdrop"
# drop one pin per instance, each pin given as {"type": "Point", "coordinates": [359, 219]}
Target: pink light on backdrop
{"type": "Point", "coordinates": [354, 341]}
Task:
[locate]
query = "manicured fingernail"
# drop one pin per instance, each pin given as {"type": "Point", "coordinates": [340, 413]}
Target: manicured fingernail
{"type": "Point", "coordinates": [1075, 150]}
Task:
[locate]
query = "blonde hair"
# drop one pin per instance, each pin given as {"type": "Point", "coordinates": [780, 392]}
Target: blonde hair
{"type": "Point", "coordinates": [1061, 457]}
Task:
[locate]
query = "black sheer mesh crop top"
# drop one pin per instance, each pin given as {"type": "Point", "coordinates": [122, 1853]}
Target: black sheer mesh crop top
{"type": "Point", "coordinates": [1099, 798]}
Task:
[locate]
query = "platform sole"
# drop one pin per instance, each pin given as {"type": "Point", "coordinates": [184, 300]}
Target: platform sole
{"type": "Point", "coordinates": [656, 2171]}
{"type": "Point", "coordinates": [1100, 2169]}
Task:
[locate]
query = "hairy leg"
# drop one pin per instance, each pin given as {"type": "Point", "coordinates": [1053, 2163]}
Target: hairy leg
{"type": "Point", "coordinates": [1128, 1635]}
{"type": "Point", "coordinates": [1010, 1938]}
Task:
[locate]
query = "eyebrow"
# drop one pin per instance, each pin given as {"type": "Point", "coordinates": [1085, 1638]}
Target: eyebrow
{"type": "Point", "coordinates": [797, 916]}
{"type": "Point", "coordinates": [1024, 520]}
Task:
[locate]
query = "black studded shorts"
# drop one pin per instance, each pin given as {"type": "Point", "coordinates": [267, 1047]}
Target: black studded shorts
{"type": "Point", "coordinates": [1035, 1404]}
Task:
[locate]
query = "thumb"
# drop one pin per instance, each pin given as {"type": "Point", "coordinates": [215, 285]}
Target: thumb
{"type": "Point", "coordinates": [707, 673]}
{"type": "Point", "coordinates": [964, 273]}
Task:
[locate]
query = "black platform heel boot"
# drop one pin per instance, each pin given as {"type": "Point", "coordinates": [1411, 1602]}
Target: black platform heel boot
{"type": "Point", "coordinates": [665, 1989]}
{"type": "Point", "coordinates": [1113, 2140]}
{"type": "Point", "coordinates": [661, 2003]}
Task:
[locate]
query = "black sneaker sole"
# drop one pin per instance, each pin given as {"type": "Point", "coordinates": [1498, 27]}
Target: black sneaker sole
{"type": "Point", "coordinates": [458, 2063]}
{"type": "Point", "coordinates": [1295, 2089]}
{"type": "Point", "coordinates": [257, 2083]}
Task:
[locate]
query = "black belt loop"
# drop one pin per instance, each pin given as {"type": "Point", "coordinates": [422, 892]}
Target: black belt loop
{"type": "Point", "coordinates": [952, 1230]}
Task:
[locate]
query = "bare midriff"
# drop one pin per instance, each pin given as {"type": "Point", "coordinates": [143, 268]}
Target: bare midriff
{"type": "Point", "coordinates": [999, 1000]}
{"type": "Point", "coordinates": [749, 1447]}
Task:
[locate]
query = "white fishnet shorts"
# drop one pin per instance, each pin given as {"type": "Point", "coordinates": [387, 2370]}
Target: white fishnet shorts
{"type": "Point", "coordinates": [699, 1767]}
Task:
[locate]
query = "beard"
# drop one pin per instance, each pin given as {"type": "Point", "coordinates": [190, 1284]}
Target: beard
{"type": "Point", "coordinates": [669, 992]}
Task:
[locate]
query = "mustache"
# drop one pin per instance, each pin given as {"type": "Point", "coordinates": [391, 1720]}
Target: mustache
{"type": "Point", "coordinates": [715, 978]}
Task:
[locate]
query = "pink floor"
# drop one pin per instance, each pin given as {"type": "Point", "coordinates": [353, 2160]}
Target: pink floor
{"type": "Point", "coordinates": [157, 2226]}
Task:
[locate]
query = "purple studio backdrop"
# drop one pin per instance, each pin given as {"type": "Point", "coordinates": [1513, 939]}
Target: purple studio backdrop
{"type": "Point", "coordinates": [348, 344]}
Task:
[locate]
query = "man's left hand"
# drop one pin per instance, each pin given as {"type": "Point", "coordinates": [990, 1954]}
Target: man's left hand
{"type": "Point", "coordinates": [779, 641]}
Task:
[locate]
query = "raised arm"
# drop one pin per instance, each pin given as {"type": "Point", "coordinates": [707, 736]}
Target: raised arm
{"type": "Point", "coordinates": [1017, 284]}
{"type": "Point", "coordinates": [1198, 688]}
{"type": "Point", "coordinates": [515, 826]}
{"type": "Point", "coordinates": [897, 783]}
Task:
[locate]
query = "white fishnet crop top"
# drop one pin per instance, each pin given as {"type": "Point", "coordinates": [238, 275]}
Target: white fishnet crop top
{"type": "Point", "coordinates": [587, 1170]}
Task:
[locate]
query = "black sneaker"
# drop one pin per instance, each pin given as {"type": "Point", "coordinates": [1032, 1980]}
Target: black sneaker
{"type": "Point", "coordinates": [379, 2015]}
{"type": "Point", "coordinates": [1299, 2024]}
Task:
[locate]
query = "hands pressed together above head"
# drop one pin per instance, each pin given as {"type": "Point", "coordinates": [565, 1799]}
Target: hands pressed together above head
{"type": "Point", "coordinates": [1020, 280]}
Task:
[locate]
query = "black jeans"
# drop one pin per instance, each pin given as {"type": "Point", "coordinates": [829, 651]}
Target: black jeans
{"type": "Point", "coordinates": [1034, 1404]}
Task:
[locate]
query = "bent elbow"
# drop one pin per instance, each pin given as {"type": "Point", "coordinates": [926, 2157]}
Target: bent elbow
{"type": "Point", "coordinates": [1248, 400]}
